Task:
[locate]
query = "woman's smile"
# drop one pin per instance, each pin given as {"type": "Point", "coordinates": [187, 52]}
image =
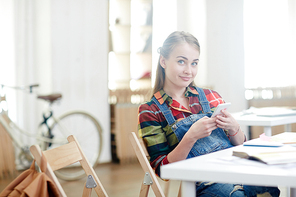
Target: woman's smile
{"type": "Point", "coordinates": [185, 78]}
{"type": "Point", "coordinates": [181, 66]}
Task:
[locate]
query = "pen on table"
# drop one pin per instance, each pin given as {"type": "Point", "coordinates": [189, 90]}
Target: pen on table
{"type": "Point", "coordinates": [261, 145]}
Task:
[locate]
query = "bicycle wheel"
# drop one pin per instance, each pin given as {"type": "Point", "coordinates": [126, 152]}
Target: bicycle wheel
{"type": "Point", "coordinates": [87, 131]}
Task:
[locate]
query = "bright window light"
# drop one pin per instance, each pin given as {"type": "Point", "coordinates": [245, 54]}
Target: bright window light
{"type": "Point", "coordinates": [269, 29]}
{"type": "Point", "coordinates": [7, 54]}
{"type": "Point", "coordinates": [267, 94]}
{"type": "Point", "coordinates": [249, 94]}
{"type": "Point", "coordinates": [7, 42]}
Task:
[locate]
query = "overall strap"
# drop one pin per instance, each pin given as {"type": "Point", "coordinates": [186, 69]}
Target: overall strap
{"type": "Point", "coordinates": [165, 111]}
{"type": "Point", "coordinates": [203, 100]}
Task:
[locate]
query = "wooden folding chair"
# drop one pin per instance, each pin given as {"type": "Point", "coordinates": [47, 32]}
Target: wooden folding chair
{"type": "Point", "coordinates": [150, 178]}
{"type": "Point", "coordinates": [66, 155]}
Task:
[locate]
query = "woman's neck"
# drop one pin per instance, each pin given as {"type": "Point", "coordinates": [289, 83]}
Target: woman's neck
{"type": "Point", "coordinates": [175, 93]}
{"type": "Point", "coordinates": [179, 96]}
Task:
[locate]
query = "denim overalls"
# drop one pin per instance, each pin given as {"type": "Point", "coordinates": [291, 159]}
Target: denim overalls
{"type": "Point", "coordinates": [216, 141]}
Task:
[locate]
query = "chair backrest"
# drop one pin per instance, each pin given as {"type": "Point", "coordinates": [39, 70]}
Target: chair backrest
{"type": "Point", "coordinates": [150, 178]}
{"type": "Point", "coordinates": [56, 160]}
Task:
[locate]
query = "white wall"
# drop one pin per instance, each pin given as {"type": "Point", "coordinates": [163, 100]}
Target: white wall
{"type": "Point", "coordinates": [225, 51]}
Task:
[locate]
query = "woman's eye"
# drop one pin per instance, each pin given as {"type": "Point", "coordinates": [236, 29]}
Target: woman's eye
{"type": "Point", "coordinates": [181, 62]}
{"type": "Point", "coordinates": [194, 64]}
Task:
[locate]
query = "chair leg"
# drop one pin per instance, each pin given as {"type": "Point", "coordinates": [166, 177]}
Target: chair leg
{"type": "Point", "coordinates": [144, 190]}
{"type": "Point", "coordinates": [86, 192]}
{"type": "Point", "coordinates": [166, 188]}
{"type": "Point", "coordinates": [180, 192]}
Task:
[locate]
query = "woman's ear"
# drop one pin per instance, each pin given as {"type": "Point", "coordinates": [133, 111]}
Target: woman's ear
{"type": "Point", "coordinates": [162, 62]}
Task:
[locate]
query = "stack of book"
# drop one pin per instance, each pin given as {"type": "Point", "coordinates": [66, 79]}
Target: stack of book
{"type": "Point", "coordinates": [279, 149]}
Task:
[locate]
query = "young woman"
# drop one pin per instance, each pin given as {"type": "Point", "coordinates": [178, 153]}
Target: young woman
{"type": "Point", "coordinates": [176, 123]}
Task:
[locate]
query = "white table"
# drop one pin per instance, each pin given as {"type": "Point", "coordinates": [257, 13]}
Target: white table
{"type": "Point", "coordinates": [213, 167]}
{"type": "Point", "coordinates": [265, 121]}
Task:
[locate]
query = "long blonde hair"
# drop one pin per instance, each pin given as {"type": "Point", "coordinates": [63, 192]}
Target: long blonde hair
{"type": "Point", "coordinates": [169, 44]}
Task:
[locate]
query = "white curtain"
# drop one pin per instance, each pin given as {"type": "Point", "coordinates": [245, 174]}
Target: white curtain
{"type": "Point", "coordinates": [7, 50]}
{"type": "Point", "coordinates": [62, 46]}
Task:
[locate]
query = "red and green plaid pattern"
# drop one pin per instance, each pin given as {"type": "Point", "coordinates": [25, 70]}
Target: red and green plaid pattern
{"type": "Point", "coordinates": [154, 129]}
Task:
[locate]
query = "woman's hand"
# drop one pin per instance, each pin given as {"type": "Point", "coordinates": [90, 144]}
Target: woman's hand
{"type": "Point", "coordinates": [202, 128]}
{"type": "Point", "coordinates": [227, 122]}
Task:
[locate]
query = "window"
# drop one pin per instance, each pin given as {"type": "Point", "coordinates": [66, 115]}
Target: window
{"type": "Point", "coordinates": [7, 63]}
{"type": "Point", "coordinates": [270, 40]}
{"type": "Point", "coordinates": [7, 52]}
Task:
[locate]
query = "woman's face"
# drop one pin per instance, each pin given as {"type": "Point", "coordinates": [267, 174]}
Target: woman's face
{"type": "Point", "coordinates": [181, 66]}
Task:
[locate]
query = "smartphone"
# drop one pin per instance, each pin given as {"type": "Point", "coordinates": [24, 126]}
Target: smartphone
{"type": "Point", "coordinates": [219, 108]}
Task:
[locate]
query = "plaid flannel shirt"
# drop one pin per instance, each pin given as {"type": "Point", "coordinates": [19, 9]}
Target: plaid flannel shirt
{"type": "Point", "coordinates": [159, 138]}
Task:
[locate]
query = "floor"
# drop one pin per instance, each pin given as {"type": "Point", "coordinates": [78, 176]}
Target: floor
{"type": "Point", "coordinates": [118, 181]}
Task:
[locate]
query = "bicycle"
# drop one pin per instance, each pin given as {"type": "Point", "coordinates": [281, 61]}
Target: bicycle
{"type": "Point", "coordinates": [53, 132]}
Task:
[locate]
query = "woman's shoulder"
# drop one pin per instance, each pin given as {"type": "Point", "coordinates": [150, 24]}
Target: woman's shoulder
{"type": "Point", "coordinates": [206, 90]}
{"type": "Point", "coordinates": [148, 106]}
{"type": "Point", "coordinates": [213, 97]}
{"type": "Point", "coordinates": [210, 91]}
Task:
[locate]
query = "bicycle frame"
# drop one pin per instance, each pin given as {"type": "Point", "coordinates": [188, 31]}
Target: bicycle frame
{"type": "Point", "coordinates": [13, 129]}
{"type": "Point", "coordinates": [53, 132]}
